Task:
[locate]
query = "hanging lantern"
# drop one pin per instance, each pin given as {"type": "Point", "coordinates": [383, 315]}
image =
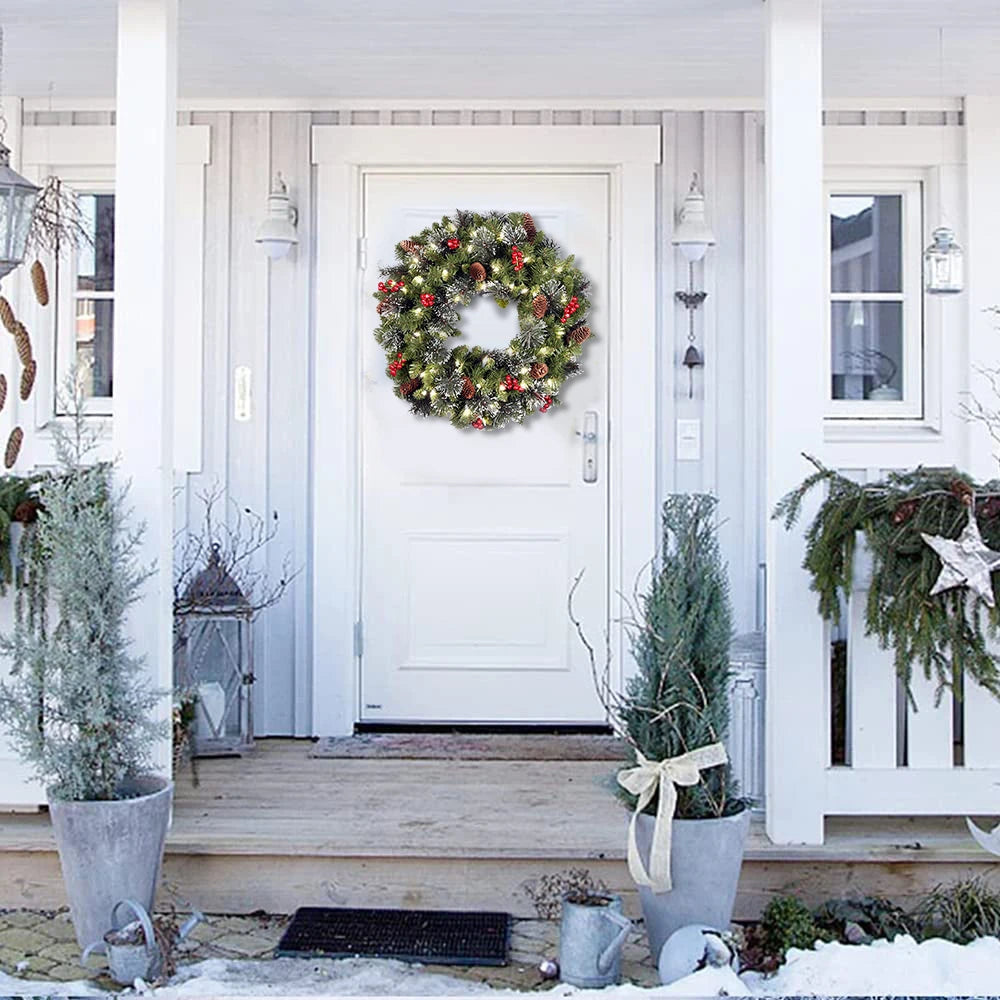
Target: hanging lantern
{"type": "Point", "coordinates": [213, 650]}
{"type": "Point", "coordinates": [944, 264]}
{"type": "Point", "coordinates": [17, 203]}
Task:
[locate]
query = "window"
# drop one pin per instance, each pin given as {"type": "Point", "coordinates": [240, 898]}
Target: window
{"type": "Point", "coordinates": [86, 282]}
{"type": "Point", "coordinates": [875, 314]}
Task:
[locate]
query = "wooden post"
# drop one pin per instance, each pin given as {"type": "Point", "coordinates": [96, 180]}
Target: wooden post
{"type": "Point", "coordinates": [797, 657]}
{"type": "Point", "coordinates": [145, 174]}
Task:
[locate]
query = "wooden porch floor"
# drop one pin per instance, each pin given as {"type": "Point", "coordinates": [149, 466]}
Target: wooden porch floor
{"type": "Point", "coordinates": [279, 829]}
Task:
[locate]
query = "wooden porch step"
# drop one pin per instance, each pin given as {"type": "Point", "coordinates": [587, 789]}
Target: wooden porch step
{"type": "Point", "coordinates": [279, 829]}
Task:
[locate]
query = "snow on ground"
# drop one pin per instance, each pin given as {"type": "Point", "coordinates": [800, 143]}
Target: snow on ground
{"type": "Point", "coordinates": [932, 968]}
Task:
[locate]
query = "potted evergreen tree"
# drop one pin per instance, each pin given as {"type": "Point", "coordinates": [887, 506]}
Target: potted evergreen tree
{"type": "Point", "coordinates": [77, 707]}
{"type": "Point", "coordinates": [689, 823]}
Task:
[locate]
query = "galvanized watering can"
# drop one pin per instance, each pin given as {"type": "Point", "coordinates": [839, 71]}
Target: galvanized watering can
{"type": "Point", "coordinates": [591, 937]}
{"type": "Point", "coordinates": [132, 955]}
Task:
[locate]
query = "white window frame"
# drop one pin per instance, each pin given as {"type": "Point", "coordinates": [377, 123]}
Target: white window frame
{"type": "Point", "coordinates": [910, 186]}
{"type": "Point", "coordinates": [67, 296]}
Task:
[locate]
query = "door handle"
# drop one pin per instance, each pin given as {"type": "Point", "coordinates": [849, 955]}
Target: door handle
{"type": "Point", "coordinates": [589, 436]}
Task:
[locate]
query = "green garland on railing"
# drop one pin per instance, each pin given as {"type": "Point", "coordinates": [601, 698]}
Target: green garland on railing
{"type": "Point", "coordinates": [944, 635]}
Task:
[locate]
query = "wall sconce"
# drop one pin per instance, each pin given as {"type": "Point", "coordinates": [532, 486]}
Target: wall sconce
{"type": "Point", "coordinates": [692, 237]}
{"type": "Point", "coordinates": [277, 233]}
{"type": "Point", "coordinates": [944, 264]}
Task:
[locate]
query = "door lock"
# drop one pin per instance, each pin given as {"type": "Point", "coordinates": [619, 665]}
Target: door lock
{"type": "Point", "coordinates": [589, 436]}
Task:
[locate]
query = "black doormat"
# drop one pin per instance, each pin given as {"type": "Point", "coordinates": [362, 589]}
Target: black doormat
{"type": "Point", "coordinates": [443, 937]}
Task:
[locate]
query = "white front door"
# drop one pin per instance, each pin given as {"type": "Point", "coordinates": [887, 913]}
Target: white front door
{"type": "Point", "coordinates": [471, 541]}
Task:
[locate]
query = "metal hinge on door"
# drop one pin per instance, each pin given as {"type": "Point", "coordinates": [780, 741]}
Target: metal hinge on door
{"type": "Point", "coordinates": [362, 253]}
{"type": "Point", "coordinates": [359, 639]}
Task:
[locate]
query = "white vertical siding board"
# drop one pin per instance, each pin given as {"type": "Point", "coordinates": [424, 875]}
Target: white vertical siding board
{"type": "Point", "coordinates": [283, 667]}
{"type": "Point", "coordinates": [982, 723]}
{"type": "Point", "coordinates": [928, 727]}
{"type": "Point", "coordinates": [249, 306]}
{"type": "Point", "coordinates": [706, 324]}
{"type": "Point", "coordinates": [797, 651]}
{"type": "Point", "coordinates": [666, 351]}
{"type": "Point", "coordinates": [871, 680]}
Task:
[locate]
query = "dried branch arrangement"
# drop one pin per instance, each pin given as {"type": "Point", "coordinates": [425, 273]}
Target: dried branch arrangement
{"type": "Point", "coordinates": [57, 222]}
{"type": "Point", "coordinates": [239, 538]}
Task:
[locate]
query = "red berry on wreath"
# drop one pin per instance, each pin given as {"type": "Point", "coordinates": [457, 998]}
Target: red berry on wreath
{"type": "Point", "coordinates": [454, 243]}
{"type": "Point", "coordinates": [517, 258]}
{"type": "Point", "coordinates": [548, 403]}
{"type": "Point", "coordinates": [427, 300]}
{"type": "Point", "coordinates": [382, 287]}
{"type": "Point", "coordinates": [478, 423]}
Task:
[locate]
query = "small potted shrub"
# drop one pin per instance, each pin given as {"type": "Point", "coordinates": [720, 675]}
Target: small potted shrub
{"type": "Point", "coordinates": [677, 704]}
{"type": "Point", "coordinates": [77, 707]}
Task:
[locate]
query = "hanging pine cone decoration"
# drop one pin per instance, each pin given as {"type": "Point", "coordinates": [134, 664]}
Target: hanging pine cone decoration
{"type": "Point", "coordinates": [13, 447]}
{"type": "Point", "coordinates": [579, 333]}
{"type": "Point", "coordinates": [26, 512]}
{"type": "Point", "coordinates": [904, 512]}
{"type": "Point", "coordinates": [961, 490]}
{"type": "Point", "coordinates": [409, 386]}
{"type": "Point", "coordinates": [23, 342]}
{"type": "Point", "coordinates": [7, 316]}
{"type": "Point", "coordinates": [468, 388]}
{"type": "Point", "coordinates": [477, 272]}
{"type": "Point", "coordinates": [539, 306]}
{"type": "Point", "coordinates": [28, 379]}
{"type": "Point", "coordinates": [529, 226]}
{"type": "Point", "coordinates": [408, 246]}
{"type": "Point", "coordinates": [40, 283]}
{"type": "Point", "coordinates": [539, 369]}
{"type": "Point", "coordinates": [3, 391]}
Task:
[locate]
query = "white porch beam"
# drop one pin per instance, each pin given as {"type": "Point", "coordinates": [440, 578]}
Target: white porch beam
{"type": "Point", "coordinates": [797, 661]}
{"type": "Point", "coordinates": [982, 138]}
{"type": "Point", "coordinates": [145, 169]}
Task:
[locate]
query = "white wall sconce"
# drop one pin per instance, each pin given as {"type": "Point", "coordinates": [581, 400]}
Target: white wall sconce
{"type": "Point", "coordinates": [944, 264]}
{"type": "Point", "coordinates": [277, 233]}
{"type": "Point", "coordinates": [692, 236]}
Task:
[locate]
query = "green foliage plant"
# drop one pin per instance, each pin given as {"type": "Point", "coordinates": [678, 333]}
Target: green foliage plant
{"type": "Point", "coordinates": [788, 923]}
{"type": "Point", "coordinates": [942, 635]}
{"type": "Point", "coordinates": [679, 632]}
{"type": "Point", "coordinates": [961, 912]}
{"type": "Point", "coordinates": [77, 706]}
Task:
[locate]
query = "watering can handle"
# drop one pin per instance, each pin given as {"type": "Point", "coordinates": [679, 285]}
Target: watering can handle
{"type": "Point", "coordinates": [607, 957]}
{"type": "Point", "coordinates": [140, 911]}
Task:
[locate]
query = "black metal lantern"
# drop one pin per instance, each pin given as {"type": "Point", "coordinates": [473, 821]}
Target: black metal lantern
{"type": "Point", "coordinates": [214, 660]}
{"type": "Point", "coordinates": [17, 203]}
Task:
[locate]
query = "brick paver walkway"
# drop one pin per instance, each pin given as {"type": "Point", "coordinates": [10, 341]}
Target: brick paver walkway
{"type": "Point", "coordinates": [36, 944]}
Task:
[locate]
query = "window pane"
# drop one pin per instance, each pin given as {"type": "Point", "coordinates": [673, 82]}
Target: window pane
{"type": "Point", "coordinates": [94, 344]}
{"type": "Point", "coordinates": [866, 243]}
{"type": "Point", "coordinates": [867, 350]}
{"type": "Point", "coordinates": [96, 264]}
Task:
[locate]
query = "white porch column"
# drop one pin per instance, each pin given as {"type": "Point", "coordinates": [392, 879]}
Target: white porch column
{"type": "Point", "coordinates": [982, 137]}
{"type": "Point", "coordinates": [145, 169]}
{"type": "Point", "coordinates": [797, 660]}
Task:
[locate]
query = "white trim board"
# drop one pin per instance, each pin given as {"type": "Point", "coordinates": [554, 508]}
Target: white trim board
{"type": "Point", "coordinates": [342, 154]}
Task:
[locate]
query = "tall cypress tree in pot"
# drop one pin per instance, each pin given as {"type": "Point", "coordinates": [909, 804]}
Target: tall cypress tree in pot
{"type": "Point", "coordinates": [675, 708]}
{"type": "Point", "coordinates": [77, 706]}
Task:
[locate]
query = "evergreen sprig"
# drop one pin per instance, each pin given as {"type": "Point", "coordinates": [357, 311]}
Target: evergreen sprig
{"type": "Point", "coordinates": [945, 635]}
{"type": "Point", "coordinates": [416, 336]}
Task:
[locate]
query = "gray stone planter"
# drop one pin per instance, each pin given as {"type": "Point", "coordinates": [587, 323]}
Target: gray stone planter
{"type": "Point", "coordinates": [111, 851]}
{"type": "Point", "coordinates": [705, 862]}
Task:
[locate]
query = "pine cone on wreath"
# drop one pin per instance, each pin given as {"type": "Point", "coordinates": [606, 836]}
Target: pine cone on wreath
{"type": "Point", "coordinates": [28, 374]}
{"type": "Point", "coordinates": [529, 226]}
{"type": "Point", "coordinates": [961, 490]}
{"type": "Point", "coordinates": [23, 342]}
{"type": "Point", "coordinates": [409, 386]}
{"type": "Point", "coordinates": [539, 306]}
{"type": "Point", "coordinates": [408, 246]}
{"type": "Point", "coordinates": [477, 272]}
{"type": "Point", "coordinates": [579, 333]}
{"type": "Point", "coordinates": [26, 512]}
{"type": "Point", "coordinates": [904, 512]}
{"type": "Point", "coordinates": [13, 447]}
{"type": "Point", "coordinates": [7, 316]}
{"type": "Point", "coordinates": [539, 369]}
{"type": "Point", "coordinates": [468, 388]}
{"type": "Point", "coordinates": [40, 283]}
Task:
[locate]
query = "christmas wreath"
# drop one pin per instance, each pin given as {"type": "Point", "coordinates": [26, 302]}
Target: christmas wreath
{"type": "Point", "coordinates": [440, 270]}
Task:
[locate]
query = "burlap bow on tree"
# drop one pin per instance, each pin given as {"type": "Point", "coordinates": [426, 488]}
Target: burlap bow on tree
{"type": "Point", "coordinates": [643, 781]}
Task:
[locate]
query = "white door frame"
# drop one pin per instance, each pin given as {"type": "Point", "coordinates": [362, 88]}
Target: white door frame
{"type": "Point", "coordinates": [341, 154]}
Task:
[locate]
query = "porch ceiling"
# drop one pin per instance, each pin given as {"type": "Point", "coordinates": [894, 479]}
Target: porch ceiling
{"type": "Point", "coordinates": [611, 49]}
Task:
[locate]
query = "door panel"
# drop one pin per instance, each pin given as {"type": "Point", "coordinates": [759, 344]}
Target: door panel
{"type": "Point", "coordinates": [471, 540]}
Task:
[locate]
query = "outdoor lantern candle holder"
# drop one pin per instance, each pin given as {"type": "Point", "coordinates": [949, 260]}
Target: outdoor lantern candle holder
{"type": "Point", "coordinates": [17, 204]}
{"type": "Point", "coordinates": [944, 263]}
{"type": "Point", "coordinates": [214, 660]}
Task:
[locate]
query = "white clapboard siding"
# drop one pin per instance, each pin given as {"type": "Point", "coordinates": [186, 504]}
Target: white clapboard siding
{"type": "Point", "coordinates": [928, 725]}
